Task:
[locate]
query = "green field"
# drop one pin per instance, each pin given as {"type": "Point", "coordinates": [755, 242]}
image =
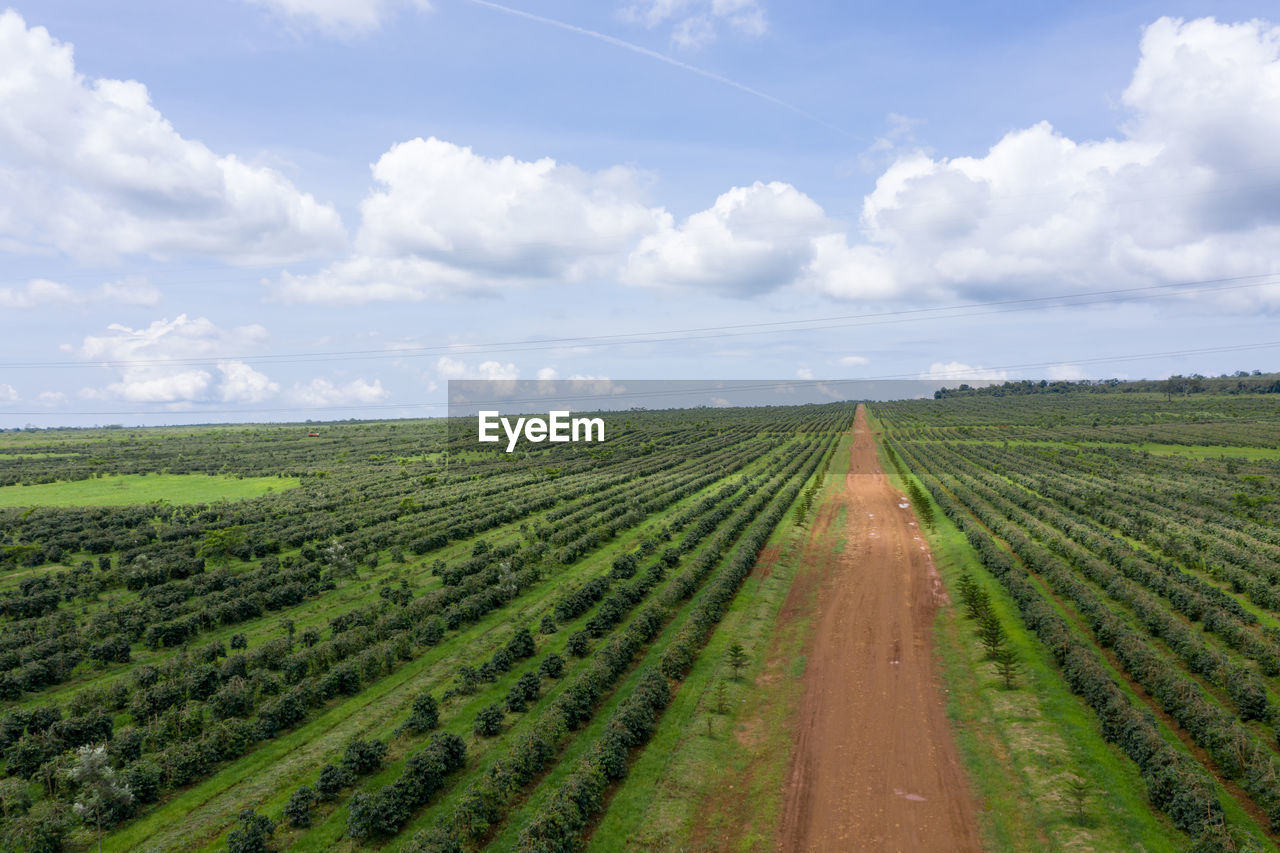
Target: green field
{"type": "Point", "coordinates": [228, 651]}
{"type": "Point", "coordinates": [1140, 572]}
{"type": "Point", "coordinates": [127, 489]}
{"type": "Point", "coordinates": [234, 649]}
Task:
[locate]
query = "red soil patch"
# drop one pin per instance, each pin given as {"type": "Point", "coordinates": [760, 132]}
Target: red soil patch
{"type": "Point", "coordinates": [874, 766]}
{"type": "Point", "coordinates": [765, 560]}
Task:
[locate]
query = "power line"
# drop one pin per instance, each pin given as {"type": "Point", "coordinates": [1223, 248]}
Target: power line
{"type": "Point", "coordinates": [706, 332]}
{"type": "Point", "coordinates": [812, 383]}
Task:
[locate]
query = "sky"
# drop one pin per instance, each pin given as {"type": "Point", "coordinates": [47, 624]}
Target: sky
{"type": "Point", "coordinates": [261, 210]}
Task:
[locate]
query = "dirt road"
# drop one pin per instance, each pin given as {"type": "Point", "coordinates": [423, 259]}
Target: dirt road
{"type": "Point", "coordinates": [874, 766]}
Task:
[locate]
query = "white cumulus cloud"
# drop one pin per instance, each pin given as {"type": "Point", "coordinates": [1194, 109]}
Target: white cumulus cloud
{"type": "Point", "coordinates": [1184, 192]}
{"type": "Point", "coordinates": [323, 392]}
{"type": "Point", "coordinates": [854, 360]}
{"type": "Point", "coordinates": [8, 394]}
{"type": "Point", "coordinates": [51, 398]}
{"type": "Point", "coordinates": [453, 368]}
{"type": "Point", "coordinates": [960, 372]}
{"type": "Point", "coordinates": [155, 364]}
{"type": "Point", "coordinates": [242, 384]}
{"type": "Point", "coordinates": [443, 219]}
{"type": "Point", "coordinates": [91, 168]}
{"type": "Point", "coordinates": [1070, 372]}
{"type": "Point", "coordinates": [753, 239]}
{"type": "Point", "coordinates": [35, 293]}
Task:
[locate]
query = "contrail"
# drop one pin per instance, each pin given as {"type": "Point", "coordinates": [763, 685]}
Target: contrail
{"type": "Point", "coordinates": [661, 57]}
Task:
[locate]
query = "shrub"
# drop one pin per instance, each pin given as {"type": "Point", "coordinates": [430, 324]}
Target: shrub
{"type": "Point", "coordinates": [488, 721]}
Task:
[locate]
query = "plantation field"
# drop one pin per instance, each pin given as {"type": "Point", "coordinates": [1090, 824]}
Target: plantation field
{"type": "Point", "coordinates": [419, 645]}
{"type": "Point", "coordinates": [1147, 572]}
{"type": "Point", "coordinates": [126, 489]}
{"type": "Point", "coordinates": [395, 640]}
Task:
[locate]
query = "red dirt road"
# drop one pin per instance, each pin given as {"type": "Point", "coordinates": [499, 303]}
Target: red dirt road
{"type": "Point", "coordinates": [874, 766]}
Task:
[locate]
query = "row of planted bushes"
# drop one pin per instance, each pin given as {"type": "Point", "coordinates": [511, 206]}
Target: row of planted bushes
{"type": "Point", "coordinates": [569, 810]}
{"type": "Point", "coordinates": [1176, 784]}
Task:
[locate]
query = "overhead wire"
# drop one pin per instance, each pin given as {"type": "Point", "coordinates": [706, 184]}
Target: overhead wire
{"type": "Point", "coordinates": [991, 374]}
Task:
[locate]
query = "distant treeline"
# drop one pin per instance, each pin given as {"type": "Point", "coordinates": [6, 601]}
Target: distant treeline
{"type": "Point", "coordinates": [1240, 382]}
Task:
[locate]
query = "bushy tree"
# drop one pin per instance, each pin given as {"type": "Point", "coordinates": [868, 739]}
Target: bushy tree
{"type": "Point", "coordinates": [991, 633]}
{"type": "Point", "coordinates": [332, 780]}
{"type": "Point", "coordinates": [252, 833]}
{"type": "Point", "coordinates": [552, 666]}
{"type": "Point", "coordinates": [363, 756]}
{"type": "Point", "coordinates": [102, 797]}
{"type": "Point", "coordinates": [424, 714]}
{"type": "Point", "coordinates": [579, 644]}
{"type": "Point", "coordinates": [298, 810]}
{"type": "Point", "coordinates": [488, 721]}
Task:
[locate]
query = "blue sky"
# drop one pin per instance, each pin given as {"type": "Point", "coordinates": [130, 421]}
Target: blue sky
{"type": "Point", "coordinates": [328, 208]}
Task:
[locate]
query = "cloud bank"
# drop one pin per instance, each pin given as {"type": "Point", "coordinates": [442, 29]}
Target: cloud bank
{"type": "Point", "coordinates": [1186, 191]}
{"type": "Point", "coordinates": [90, 168]}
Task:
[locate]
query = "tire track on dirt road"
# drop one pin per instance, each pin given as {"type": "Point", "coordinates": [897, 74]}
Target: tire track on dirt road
{"type": "Point", "coordinates": [874, 765]}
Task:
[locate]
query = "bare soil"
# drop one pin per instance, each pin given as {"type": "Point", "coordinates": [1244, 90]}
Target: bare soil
{"type": "Point", "coordinates": [874, 766]}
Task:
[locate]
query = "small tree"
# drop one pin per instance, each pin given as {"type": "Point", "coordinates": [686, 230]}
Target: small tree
{"type": "Point", "coordinates": [298, 810]}
{"type": "Point", "coordinates": [722, 703]}
{"type": "Point", "coordinates": [332, 780]}
{"type": "Point", "coordinates": [1007, 665]}
{"type": "Point", "coordinates": [219, 545]}
{"type": "Point", "coordinates": [363, 756]}
{"type": "Point", "coordinates": [991, 633]}
{"type": "Point", "coordinates": [252, 833]}
{"type": "Point", "coordinates": [488, 721]}
{"type": "Point", "coordinates": [102, 794]}
{"type": "Point", "coordinates": [737, 657]}
{"type": "Point", "coordinates": [977, 603]}
{"type": "Point", "coordinates": [521, 644]}
{"type": "Point", "coordinates": [552, 666]}
{"type": "Point", "coordinates": [1078, 793]}
{"type": "Point", "coordinates": [425, 714]}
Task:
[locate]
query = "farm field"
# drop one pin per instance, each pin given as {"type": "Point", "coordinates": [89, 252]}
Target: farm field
{"type": "Point", "coordinates": [1035, 622]}
{"type": "Point", "coordinates": [1147, 576]}
{"type": "Point", "coordinates": [127, 489]}
{"type": "Point", "coordinates": [417, 647]}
